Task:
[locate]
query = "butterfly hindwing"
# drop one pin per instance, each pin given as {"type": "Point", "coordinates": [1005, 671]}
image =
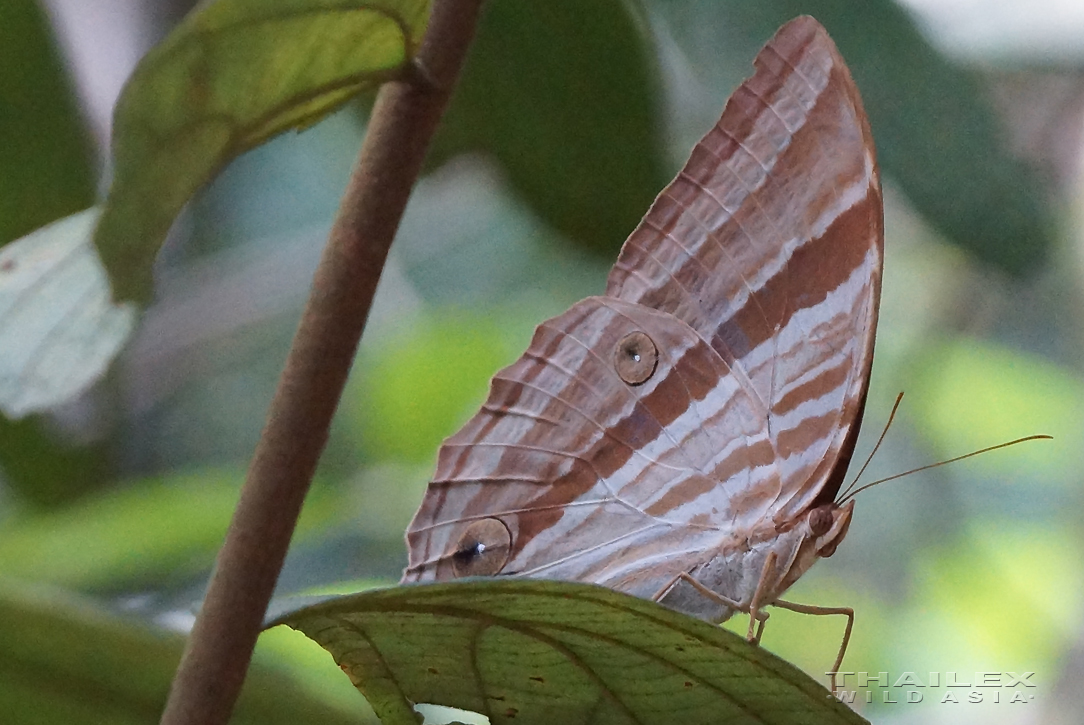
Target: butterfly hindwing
{"type": "Point", "coordinates": [579, 464]}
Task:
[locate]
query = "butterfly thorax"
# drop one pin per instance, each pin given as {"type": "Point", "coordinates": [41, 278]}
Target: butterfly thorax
{"type": "Point", "coordinates": [735, 572]}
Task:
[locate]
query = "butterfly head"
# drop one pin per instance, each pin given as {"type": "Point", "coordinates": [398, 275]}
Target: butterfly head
{"type": "Point", "coordinates": [820, 533]}
{"type": "Point", "coordinates": [828, 525]}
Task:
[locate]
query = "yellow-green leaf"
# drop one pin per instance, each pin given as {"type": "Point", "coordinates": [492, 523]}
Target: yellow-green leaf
{"type": "Point", "coordinates": [230, 76]}
{"type": "Point", "coordinates": [422, 383]}
{"type": "Point", "coordinates": [530, 651]}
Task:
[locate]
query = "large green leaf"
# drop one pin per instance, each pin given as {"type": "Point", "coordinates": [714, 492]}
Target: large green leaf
{"type": "Point", "coordinates": [45, 159]}
{"type": "Point", "coordinates": [937, 136]}
{"type": "Point", "coordinates": [65, 661]}
{"type": "Point", "coordinates": [531, 651]}
{"type": "Point", "coordinates": [230, 76]}
{"type": "Point", "coordinates": [563, 95]}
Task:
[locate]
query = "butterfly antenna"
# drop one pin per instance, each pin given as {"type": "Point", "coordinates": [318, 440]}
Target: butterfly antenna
{"type": "Point", "coordinates": [943, 463]}
{"type": "Point", "coordinates": [891, 416]}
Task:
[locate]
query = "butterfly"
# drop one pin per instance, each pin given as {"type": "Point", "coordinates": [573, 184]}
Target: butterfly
{"type": "Point", "coordinates": [683, 437]}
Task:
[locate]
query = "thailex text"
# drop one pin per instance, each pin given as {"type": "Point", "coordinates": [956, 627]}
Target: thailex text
{"type": "Point", "coordinates": [943, 687]}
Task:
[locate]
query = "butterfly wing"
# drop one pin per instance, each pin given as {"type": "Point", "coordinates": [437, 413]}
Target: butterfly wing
{"type": "Point", "coordinates": [760, 304]}
{"type": "Point", "coordinates": [770, 244]}
{"type": "Point", "coordinates": [579, 464]}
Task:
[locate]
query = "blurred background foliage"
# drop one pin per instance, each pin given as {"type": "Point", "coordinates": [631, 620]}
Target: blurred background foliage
{"type": "Point", "coordinates": [570, 118]}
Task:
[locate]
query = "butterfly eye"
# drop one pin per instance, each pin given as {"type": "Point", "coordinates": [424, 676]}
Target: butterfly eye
{"type": "Point", "coordinates": [483, 549]}
{"type": "Point", "coordinates": [821, 520]}
{"type": "Point", "coordinates": [636, 358]}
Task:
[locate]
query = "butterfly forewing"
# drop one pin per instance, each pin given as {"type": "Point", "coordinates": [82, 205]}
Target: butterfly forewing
{"type": "Point", "coordinates": [755, 277]}
{"type": "Point", "coordinates": [769, 244]}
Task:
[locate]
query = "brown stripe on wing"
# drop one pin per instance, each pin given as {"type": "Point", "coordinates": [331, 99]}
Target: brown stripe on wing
{"type": "Point", "coordinates": [777, 211]}
{"type": "Point", "coordinates": [846, 325]}
{"type": "Point", "coordinates": [816, 269]}
{"type": "Point", "coordinates": [814, 387]}
{"type": "Point", "coordinates": [502, 398]}
{"type": "Point", "coordinates": [719, 179]}
{"type": "Point", "coordinates": [502, 461]}
{"type": "Point", "coordinates": [768, 242]}
{"type": "Point", "coordinates": [706, 411]}
{"type": "Point", "coordinates": [538, 477]}
{"type": "Point", "coordinates": [655, 405]}
{"type": "Point", "coordinates": [573, 548]}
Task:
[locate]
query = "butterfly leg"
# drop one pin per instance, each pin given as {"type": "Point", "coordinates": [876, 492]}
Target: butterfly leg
{"type": "Point", "coordinates": [756, 614]}
{"type": "Point", "coordinates": [810, 609]}
{"type": "Point", "coordinates": [714, 596]}
{"type": "Point", "coordinates": [667, 587]}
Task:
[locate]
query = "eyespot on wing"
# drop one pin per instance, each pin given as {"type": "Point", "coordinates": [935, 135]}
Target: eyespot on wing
{"type": "Point", "coordinates": [483, 549]}
{"type": "Point", "coordinates": [636, 358]}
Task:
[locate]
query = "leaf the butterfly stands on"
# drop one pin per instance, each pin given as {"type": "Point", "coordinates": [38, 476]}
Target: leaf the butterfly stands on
{"type": "Point", "coordinates": [683, 436]}
{"type": "Point", "coordinates": [530, 652]}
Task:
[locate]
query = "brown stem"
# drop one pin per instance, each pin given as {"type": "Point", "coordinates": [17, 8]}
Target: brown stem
{"type": "Point", "coordinates": [402, 123]}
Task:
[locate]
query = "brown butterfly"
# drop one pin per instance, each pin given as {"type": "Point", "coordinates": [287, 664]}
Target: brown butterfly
{"type": "Point", "coordinates": [684, 437]}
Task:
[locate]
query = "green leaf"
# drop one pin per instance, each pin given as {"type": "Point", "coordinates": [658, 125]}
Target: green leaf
{"type": "Point", "coordinates": [532, 651]}
{"type": "Point", "coordinates": [65, 661]}
{"type": "Point", "coordinates": [45, 155]}
{"type": "Point", "coordinates": [564, 95]}
{"type": "Point", "coordinates": [59, 328]}
{"type": "Point", "coordinates": [230, 76]}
